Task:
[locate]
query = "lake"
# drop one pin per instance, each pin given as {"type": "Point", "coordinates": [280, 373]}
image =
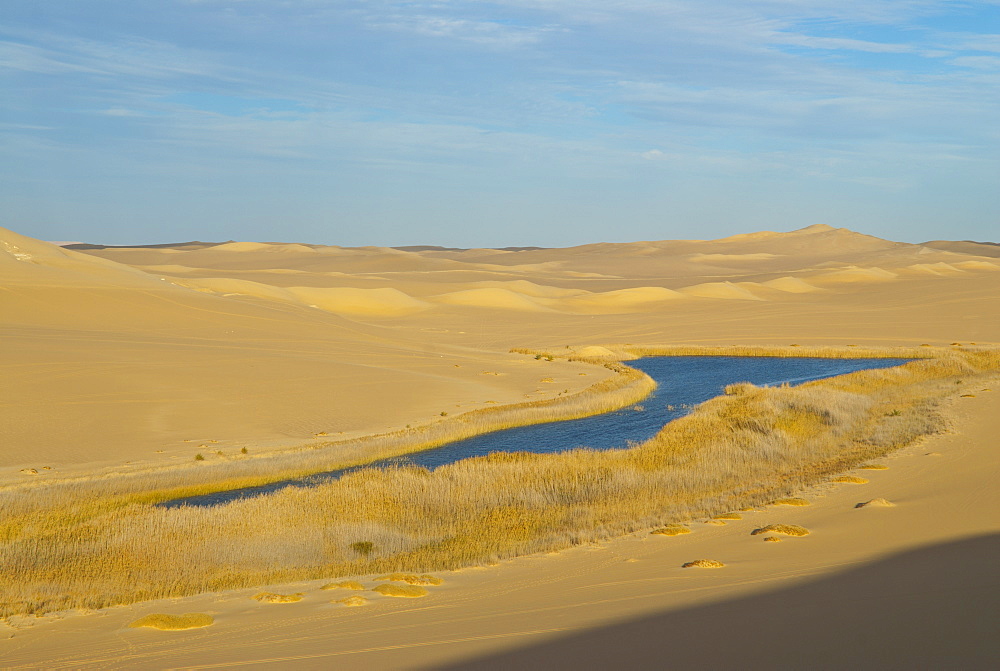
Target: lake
{"type": "Point", "coordinates": [682, 383]}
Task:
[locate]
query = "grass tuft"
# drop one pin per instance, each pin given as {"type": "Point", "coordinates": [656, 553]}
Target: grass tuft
{"type": "Point", "coordinates": [271, 597]}
{"type": "Point", "coordinates": [703, 563]}
{"type": "Point", "coordinates": [850, 479]}
{"type": "Point", "coordinates": [405, 591]}
{"type": "Point", "coordinates": [786, 529]}
{"type": "Point", "coordinates": [412, 579]}
{"type": "Point", "coordinates": [174, 622]}
{"type": "Point", "coordinates": [793, 501]}
{"type": "Point", "coordinates": [671, 530]}
{"type": "Point", "coordinates": [355, 600]}
{"type": "Point", "coordinates": [345, 584]}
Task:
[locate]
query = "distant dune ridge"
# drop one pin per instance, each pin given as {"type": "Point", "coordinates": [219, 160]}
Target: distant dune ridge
{"type": "Point", "coordinates": [173, 332]}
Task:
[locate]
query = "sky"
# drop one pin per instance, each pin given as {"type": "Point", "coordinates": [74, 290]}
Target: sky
{"type": "Point", "coordinates": [511, 122]}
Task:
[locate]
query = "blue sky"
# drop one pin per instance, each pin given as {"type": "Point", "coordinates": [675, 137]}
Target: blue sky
{"type": "Point", "coordinates": [515, 122]}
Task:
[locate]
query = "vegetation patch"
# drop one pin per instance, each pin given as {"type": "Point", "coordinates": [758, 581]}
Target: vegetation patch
{"type": "Point", "coordinates": [174, 622]}
{"type": "Point", "coordinates": [413, 579]}
{"type": "Point", "coordinates": [66, 543]}
{"type": "Point", "coordinates": [271, 597]}
{"type": "Point", "coordinates": [703, 563]}
{"type": "Point", "coordinates": [786, 529]}
{"type": "Point", "coordinates": [793, 501]}
{"type": "Point", "coordinates": [874, 467]}
{"type": "Point", "coordinates": [671, 530]}
{"type": "Point", "coordinates": [405, 591]}
{"type": "Point", "coordinates": [850, 479]}
{"type": "Point", "coordinates": [355, 600]}
{"type": "Point", "coordinates": [344, 584]}
{"type": "Point", "coordinates": [728, 516]}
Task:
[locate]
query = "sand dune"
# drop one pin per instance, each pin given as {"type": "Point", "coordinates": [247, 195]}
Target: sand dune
{"type": "Point", "coordinates": [855, 274]}
{"type": "Point", "coordinates": [792, 285]}
{"type": "Point", "coordinates": [719, 290]}
{"type": "Point", "coordinates": [497, 299]}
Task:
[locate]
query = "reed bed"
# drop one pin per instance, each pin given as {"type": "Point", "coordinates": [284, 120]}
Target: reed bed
{"type": "Point", "coordinates": [745, 448]}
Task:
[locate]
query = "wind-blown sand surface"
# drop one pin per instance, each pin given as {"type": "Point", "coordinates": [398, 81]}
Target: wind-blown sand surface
{"type": "Point", "coordinates": [130, 358]}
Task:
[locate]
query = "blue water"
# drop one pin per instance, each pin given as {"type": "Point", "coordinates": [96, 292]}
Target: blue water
{"type": "Point", "coordinates": [683, 382]}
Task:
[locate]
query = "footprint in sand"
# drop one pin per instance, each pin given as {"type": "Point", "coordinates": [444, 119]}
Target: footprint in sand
{"type": "Point", "coordinates": [174, 622]}
{"type": "Point", "coordinates": [876, 503]}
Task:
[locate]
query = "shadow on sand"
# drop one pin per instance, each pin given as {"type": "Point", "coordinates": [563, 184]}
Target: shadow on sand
{"type": "Point", "coordinates": [936, 607]}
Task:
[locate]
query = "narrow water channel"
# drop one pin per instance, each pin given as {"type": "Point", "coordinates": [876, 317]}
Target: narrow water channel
{"type": "Point", "coordinates": [682, 383]}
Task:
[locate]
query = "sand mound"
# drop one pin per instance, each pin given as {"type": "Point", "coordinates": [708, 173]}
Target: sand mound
{"type": "Point", "coordinates": [730, 258]}
{"type": "Point", "coordinates": [271, 597]}
{"type": "Point", "coordinates": [856, 274]}
{"type": "Point", "coordinates": [346, 584]}
{"type": "Point", "coordinates": [671, 530]}
{"type": "Point", "coordinates": [240, 247]}
{"type": "Point", "coordinates": [497, 299]}
{"type": "Point", "coordinates": [726, 290]}
{"type": "Point", "coordinates": [174, 622]}
{"type": "Point", "coordinates": [621, 300]}
{"type": "Point", "coordinates": [385, 302]}
{"type": "Point", "coordinates": [792, 285]}
{"type": "Point", "coordinates": [528, 288]}
{"type": "Point", "coordinates": [786, 529]}
{"type": "Point", "coordinates": [877, 503]}
{"type": "Point", "coordinates": [793, 501]}
{"type": "Point", "coordinates": [703, 563]}
{"type": "Point", "coordinates": [413, 579]}
{"type": "Point", "coordinates": [939, 269]}
{"type": "Point", "coordinates": [167, 268]}
{"type": "Point", "coordinates": [226, 285]}
{"type": "Point", "coordinates": [24, 260]}
{"type": "Point", "coordinates": [355, 600]}
{"type": "Point", "coordinates": [404, 591]}
{"type": "Point", "coordinates": [850, 479]}
{"type": "Point", "coordinates": [976, 265]}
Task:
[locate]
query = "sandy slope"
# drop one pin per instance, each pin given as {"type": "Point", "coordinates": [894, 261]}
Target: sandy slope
{"type": "Point", "coordinates": [121, 358]}
{"type": "Point", "coordinates": [147, 354]}
{"type": "Point", "coordinates": [909, 586]}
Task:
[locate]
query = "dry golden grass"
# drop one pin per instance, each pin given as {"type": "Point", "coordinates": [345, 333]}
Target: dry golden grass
{"type": "Point", "coordinates": [874, 467]}
{"type": "Point", "coordinates": [671, 530]}
{"type": "Point", "coordinates": [703, 563]}
{"type": "Point", "coordinates": [67, 543]}
{"type": "Point", "coordinates": [174, 622]}
{"type": "Point", "coordinates": [412, 579]}
{"type": "Point", "coordinates": [793, 501]}
{"type": "Point", "coordinates": [345, 584]}
{"type": "Point", "coordinates": [786, 529]}
{"type": "Point", "coordinates": [728, 516]}
{"type": "Point", "coordinates": [849, 479]}
{"type": "Point", "coordinates": [772, 539]}
{"type": "Point", "coordinates": [406, 591]}
{"type": "Point", "coordinates": [355, 600]}
{"type": "Point", "coordinates": [271, 597]}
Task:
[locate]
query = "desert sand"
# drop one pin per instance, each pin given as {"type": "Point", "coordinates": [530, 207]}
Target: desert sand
{"type": "Point", "coordinates": [120, 359]}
